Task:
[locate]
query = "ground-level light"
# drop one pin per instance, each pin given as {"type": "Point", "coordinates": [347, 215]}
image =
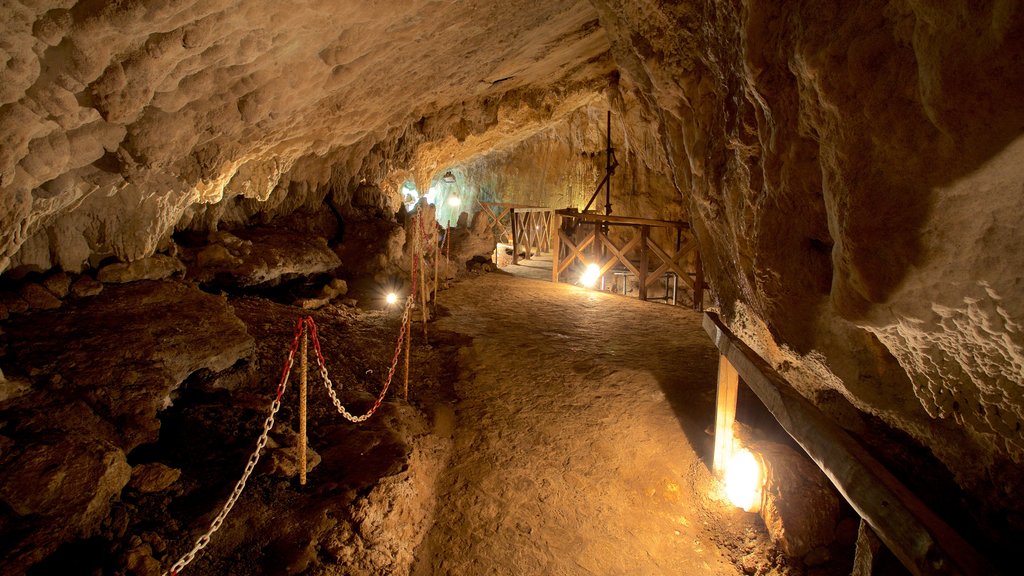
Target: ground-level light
{"type": "Point", "coordinates": [391, 298]}
{"type": "Point", "coordinates": [744, 477]}
{"type": "Point", "coordinates": [590, 275]}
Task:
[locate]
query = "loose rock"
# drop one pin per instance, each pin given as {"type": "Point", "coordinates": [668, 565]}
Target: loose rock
{"type": "Point", "coordinates": [156, 267]}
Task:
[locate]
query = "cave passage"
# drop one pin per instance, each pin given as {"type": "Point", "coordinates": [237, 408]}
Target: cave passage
{"type": "Point", "coordinates": [579, 442]}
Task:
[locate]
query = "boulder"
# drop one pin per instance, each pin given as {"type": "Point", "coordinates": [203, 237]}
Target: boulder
{"type": "Point", "coordinates": [156, 267]}
{"type": "Point", "coordinates": [125, 350]}
{"type": "Point", "coordinates": [261, 257]}
{"type": "Point", "coordinates": [39, 298]}
{"type": "Point", "coordinates": [154, 477]}
{"type": "Point", "coordinates": [58, 284]}
{"type": "Point", "coordinates": [59, 486]}
{"type": "Point", "coordinates": [85, 286]}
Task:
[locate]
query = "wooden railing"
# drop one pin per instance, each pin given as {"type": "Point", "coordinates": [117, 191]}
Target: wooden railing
{"type": "Point", "coordinates": [531, 231]}
{"type": "Point", "coordinates": [499, 219]}
{"type": "Point", "coordinates": [922, 542]}
{"type": "Point", "coordinates": [583, 237]}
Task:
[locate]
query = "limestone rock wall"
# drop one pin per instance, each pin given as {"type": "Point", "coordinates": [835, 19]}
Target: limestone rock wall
{"type": "Point", "coordinates": [854, 171]}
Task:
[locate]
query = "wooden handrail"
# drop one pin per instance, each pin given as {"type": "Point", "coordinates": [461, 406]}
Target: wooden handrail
{"type": "Point", "coordinates": [604, 218]}
{"type": "Point", "coordinates": [917, 536]}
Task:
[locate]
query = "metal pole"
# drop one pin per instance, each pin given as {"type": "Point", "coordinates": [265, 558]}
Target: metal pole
{"type": "Point", "coordinates": [303, 372]}
{"type": "Point", "coordinates": [608, 169]}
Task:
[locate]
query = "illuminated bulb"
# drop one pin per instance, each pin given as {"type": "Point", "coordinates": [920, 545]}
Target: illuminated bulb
{"type": "Point", "coordinates": [743, 480]}
{"type": "Point", "coordinates": [454, 201]}
{"type": "Point", "coordinates": [590, 275]}
{"type": "Point", "coordinates": [391, 298]}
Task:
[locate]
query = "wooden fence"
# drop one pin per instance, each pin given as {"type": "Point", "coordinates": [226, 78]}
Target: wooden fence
{"type": "Point", "coordinates": [531, 231]}
{"type": "Point", "coordinates": [640, 255]}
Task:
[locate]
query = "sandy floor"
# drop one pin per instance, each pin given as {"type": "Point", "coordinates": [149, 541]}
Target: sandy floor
{"type": "Point", "coordinates": [579, 444]}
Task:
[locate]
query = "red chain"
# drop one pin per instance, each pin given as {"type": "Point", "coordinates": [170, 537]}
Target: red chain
{"type": "Point", "coordinates": [402, 333]}
{"type": "Point", "coordinates": [291, 357]}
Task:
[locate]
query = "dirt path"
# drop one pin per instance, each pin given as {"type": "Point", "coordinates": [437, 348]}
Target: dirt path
{"type": "Point", "coordinates": [579, 437]}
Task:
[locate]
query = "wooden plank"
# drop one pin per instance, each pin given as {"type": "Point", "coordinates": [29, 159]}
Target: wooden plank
{"type": "Point", "coordinates": [645, 236]}
{"type": "Point", "coordinates": [576, 252]}
{"type": "Point", "coordinates": [530, 209]}
{"type": "Point", "coordinates": [921, 540]}
{"type": "Point", "coordinates": [669, 262]}
{"type": "Point", "coordinates": [698, 284]}
{"type": "Point", "coordinates": [556, 248]}
{"type": "Point", "coordinates": [515, 238]}
{"type": "Point", "coordinates": [590, 217]}
{"type": "Point", "coordinates": [621, 254]}
{"type": "Point", "coordinates": [725, 414]}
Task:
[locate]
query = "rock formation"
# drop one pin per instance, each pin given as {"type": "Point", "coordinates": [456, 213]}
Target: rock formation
{"type": "Point", "coordinates": [854, 172]}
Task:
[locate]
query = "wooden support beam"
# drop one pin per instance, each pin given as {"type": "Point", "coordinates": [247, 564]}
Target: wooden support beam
{"type": "Point", "coordinates": [725, 414]}
{"type": "Point", "coordinates": [921, 540]}
{"type": "Point", "coordinates": [515, 238]}
{"type": "Point", "coordinates": [590, 217]}
{"type": "Point", "coordinates": [698, 284]}
{"type": "Point", "coordinates": [645, 240]}
{"type": "Point", "coordinates": [556, 248]}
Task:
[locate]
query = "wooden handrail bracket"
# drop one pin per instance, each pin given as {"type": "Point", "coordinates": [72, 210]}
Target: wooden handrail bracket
{"type": "Point", "coordinates": [921, 540]}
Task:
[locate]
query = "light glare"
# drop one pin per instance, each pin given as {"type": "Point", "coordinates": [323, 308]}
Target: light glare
{"type": "Point", "coordinates": [454, 201]}
{"type": "Point", "coordinates": [590, 275]}
{"type": "Point", "coordinates": [743, 480]}
{"type": "Point", "coordinates": [391, 298]}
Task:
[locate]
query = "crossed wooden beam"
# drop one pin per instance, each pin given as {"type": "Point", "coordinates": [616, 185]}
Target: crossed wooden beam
{"type": "Point", "coordinates": [637, 254]}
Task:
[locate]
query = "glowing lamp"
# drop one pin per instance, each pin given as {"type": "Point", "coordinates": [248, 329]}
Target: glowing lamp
{"type": "Point", "coordinates": [454, 201]}
{"type": "Point", "coordinates": [744, 476]}
{"type": "Point", "coordinates": [590, 275]}
{"type": "Point", "coordinates": [391, 298]}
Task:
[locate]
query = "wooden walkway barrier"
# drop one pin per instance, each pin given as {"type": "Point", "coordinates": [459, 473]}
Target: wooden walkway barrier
{"type": "Point", "coordinates": [499, 219]}
{"type": "Point", "coordinates": [531, 231]}
{"type": "Point", "coordinates": [640, 255]}
{"type": "Point", "coordinates": [925, 544]}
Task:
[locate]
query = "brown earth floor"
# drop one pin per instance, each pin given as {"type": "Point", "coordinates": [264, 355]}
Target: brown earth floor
{"type": "Point", "coordinates": [580, 444]}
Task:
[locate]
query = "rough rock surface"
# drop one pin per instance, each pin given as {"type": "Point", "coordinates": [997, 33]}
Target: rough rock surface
{"type": "Point", "coordinates": [800, 507]}
{"type": "Point", "coordinates": [100, 370]}
{"type": "Point", "coordinates": [261, 256]}
{"type": "Point", "coordinates": [156, 267]}
{"type": "Point", "coordinates": [161, 331]}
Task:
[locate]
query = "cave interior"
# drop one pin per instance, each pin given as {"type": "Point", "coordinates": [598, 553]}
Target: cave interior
{"type": "Point", "coordinates": [182, 179]}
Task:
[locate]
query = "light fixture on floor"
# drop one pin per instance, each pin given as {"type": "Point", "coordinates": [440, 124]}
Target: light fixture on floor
{"type": "Point", "coordinates": [448, 177]}
{"type": "Point", "coordinates": [744, 477]}
{"type": "Point", "coordinates": [590, 275]}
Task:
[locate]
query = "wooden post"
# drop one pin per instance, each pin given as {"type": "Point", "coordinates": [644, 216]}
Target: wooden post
{"type": "Point", "coordinates": [725, 414]}
{"type": "Point", "coordinates": [303, 372]}
{"type": "Point", "coordinates": [645, 234]}
{"type": "Point", "coordinates": [515, 236]}
{"type": "Point", "coordinates": [916, 535]}
{"type": "Point", "coordinates": [556, 247]}
{"type": "Point", "coordinates": [423, 281]}
{"type": "Point", "coordinates": [698, 284]}
{"type": "Point", "coordinates": [437, 262]}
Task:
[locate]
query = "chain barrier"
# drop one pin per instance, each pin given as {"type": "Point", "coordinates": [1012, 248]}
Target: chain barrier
{"type": "Point", "coordinates": [261, 443]}
{"type": "Point", "coordinates": [329, 385]}
{"type": "Point", "coordinates": [268, 424]}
